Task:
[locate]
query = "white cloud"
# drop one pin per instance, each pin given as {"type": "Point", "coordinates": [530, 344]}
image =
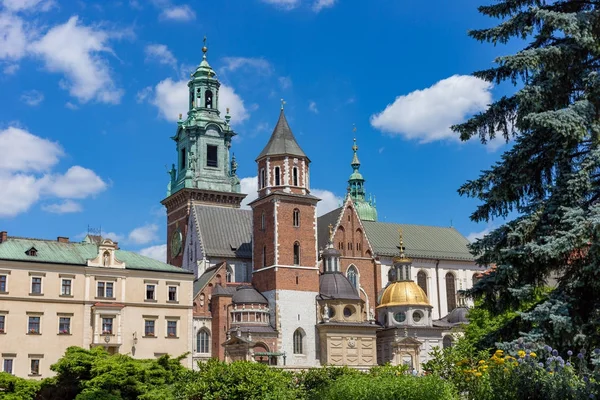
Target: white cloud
{"type": "Point", "coordinates": [67, 206]}
{"type": "Point", "coordinates": [144, 234]}
{"type": "Point", "coordinates": [115, 237]}
{"type": "Point", "coordinates": [32, 97]}
{"type": "Point", "coordinates": [178, 13]}
{"type": "Point", "coordinates": [19, 193]}
{"type": "Point", "coordinates": [285, 82]}
{"type": "Point", "coordinates": [13, 37]}
{"type": "Point", "coordinates": [22, 151]}
{"type": "Point", "coordinates": [10, 68]}
{"type": "Point", "coordinates": [76, 183]}
{"type": "Point", "coordinates": [75, 50]}
{"type": "Point", "coordinates": [259, 65]}
{"type": "Point", "coordinates": [171, 98]}
{"type": "Point", "coordinates": [143, 94]}
{"type": "Point", "coordinates": [26, 5]}
{"type": "Point", "coordinates": [471, 237]}
{"type": "Point", "coordinates": [312, 107]}
{"type": "Point", "coordinates": [426, 115]}
{"type": "Point", "coordinates": [283, 4]}
{"type": "Point", "coordinates": [329, 201]}
{"type": "Point", "coordinates": [71, 106]}
{"type": "Point", "coordinates": [160, 53]}
{"type": "Point", "coordinates": [321, 4]}
{"type": "Point", "coordinates": [156, 252]}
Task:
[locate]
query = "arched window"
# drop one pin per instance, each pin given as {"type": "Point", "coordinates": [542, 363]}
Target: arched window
{"type": "Point", "coordinates": [295, 176]}
{"type": "Point", "coordinates": [422, 280]}
{"type": "Point", "coordinates": [296, 218]}
{"type": "Point", "coordinates": [352, 275]}
{"type": "Point", "coordinates": [228, 275]}
{"type": "Point", "coordinates": [208, 97]}
{"type": "Point", "coordinates": [447, 341]}
{"type": "Point", "coordinates": [450, 291]}
{"type": "Point", "coordinates": [298, 341]}
{"type": "Point", "coordinates": [277, 177]}
{"type": "Point", "coordinates": [202, 341]}
{"type": "Point", "coordinates": [296, 253]}
{"type": "Point", "coordinates": [264, 256]}
{"type": "Point", "coordinates": [263, 178]}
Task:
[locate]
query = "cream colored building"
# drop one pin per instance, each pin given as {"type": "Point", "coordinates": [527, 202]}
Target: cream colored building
{"type": "Point", "coordinates": [55, 294]}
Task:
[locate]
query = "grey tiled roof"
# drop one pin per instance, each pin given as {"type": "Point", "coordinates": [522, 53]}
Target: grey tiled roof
{"type": "Point", "coordinates": [248, 295]}
{"type": "Point", "coordinates": [224, 290]}
{"type": "Point", "coordinates": [201, 282]}
{"type": "Point", "coordinates": [282, 141]}
{"type": "Point", "coordinates": [225, 231]}
{"type": "Point", "coordinates": [421, 241]}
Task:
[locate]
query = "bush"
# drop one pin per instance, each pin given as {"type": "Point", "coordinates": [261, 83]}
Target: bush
{"type": "Point", "coordinates": [14, 388]}
{"type": "Point", "coordinates": [315, 380]}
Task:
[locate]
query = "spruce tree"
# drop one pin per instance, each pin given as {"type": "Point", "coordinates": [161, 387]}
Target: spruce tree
{"type": "Point", "coordinates": [547, 185]}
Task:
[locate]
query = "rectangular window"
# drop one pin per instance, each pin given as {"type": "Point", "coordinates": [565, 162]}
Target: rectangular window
{"type": "Point", "coordinates": [34, 325]}
{"type": "Point", "coordinates": [66, 287]}
{"type": "Point", "coordinates": [107, 326]}
{"type": "Point", "coordinates": [149, 327]}
{"type": "Point", "coordinates": [150, 292]}
{"type": "Point", "coordinates": [109, 290]}
{"type": "Point", "coordinates": [172, 293]}
{"type": "Point", "coordinates": [263, 178]}
{"type": "Point", "coordinates": [105, 289]}
{"type": "Point", "coordinates": [35, 366]}
{"type": "Point", "coordinates": [183, 160]}
{"type": "Point", "coordinates": [64, 325]}
{"type": "Point", "coordinates": [8, 365]}
{"type": "Point", "coordinates": [172, 328]}
{"type": "Point", "coordinates": [36, 285]}
{"type": "Point", "coordinates": [277, 177]}
{"type": "Point", "coordinates": [212, 156]}
{"type": "Point", "coordinates": [2, 283]}
{"type": "Point", "coordinates": [2, 323]}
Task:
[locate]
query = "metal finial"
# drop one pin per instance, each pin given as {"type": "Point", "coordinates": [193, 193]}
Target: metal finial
{"type": "Point", "coordinates": [204, 48]}
{"type": "Point", "coordinates": [401, 241]}
{"type": "Point", "coordinates": [282, 103]}
{"type": "Point", "coordinates": [179, 116]}
{"type": "Point", "coordinates": [330, 230]}
{"type": "Point", "coordinates": [227, 110]}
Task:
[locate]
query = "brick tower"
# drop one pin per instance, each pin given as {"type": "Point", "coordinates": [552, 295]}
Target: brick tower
{"type": "Point", "coordinates": [285, 244]}
{"type": "Point", "coordinates": [204, 173]}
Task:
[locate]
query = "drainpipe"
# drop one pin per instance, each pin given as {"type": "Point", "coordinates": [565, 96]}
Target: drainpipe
{"type": "Point", "coordinates": [437, 283]}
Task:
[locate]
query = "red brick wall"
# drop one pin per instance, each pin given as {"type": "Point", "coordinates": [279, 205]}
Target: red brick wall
{"type": "Point", "coordinates": [279, 161]}
{"type": "Point", "coordinates": [263, 237]}
{"type": "Point", "coordinates": [220, 309]}
{"type": "Point", "coordinates": [288, 234]}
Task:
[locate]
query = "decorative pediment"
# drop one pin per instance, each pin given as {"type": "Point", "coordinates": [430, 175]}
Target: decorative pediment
{"type": "Point", "coordinates": [106, 257]}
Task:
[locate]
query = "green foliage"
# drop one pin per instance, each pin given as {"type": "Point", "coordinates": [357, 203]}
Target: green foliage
{"type": "Point", "coordinates": [550, 178]}
{"type": "Point", "coordinates": [239, 380]}
{"type": "Point", "coordinates": [14, 388]}
{"type": "Point", "coordinates": [388, 382]}
{"type": "Point", "coordinates": [315, 380]}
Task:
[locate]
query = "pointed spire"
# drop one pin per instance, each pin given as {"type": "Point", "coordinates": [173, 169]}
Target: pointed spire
{"type": "Point", "coordinates": [282, 141]}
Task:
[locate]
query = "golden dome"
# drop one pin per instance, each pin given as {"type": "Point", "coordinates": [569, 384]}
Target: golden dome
{"type": "Point", "coordinates": [404, 293]}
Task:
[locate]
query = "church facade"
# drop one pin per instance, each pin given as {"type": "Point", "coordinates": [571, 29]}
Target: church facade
{"type": "Point", "coordinates": [281, 285]}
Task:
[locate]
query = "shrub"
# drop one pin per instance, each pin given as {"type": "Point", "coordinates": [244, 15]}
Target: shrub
{"type": "Point", "coordinates": [14, 388]}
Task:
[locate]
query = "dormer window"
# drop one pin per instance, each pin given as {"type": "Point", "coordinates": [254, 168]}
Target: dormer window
{"type": "Point", "coordinates": [32, 252]}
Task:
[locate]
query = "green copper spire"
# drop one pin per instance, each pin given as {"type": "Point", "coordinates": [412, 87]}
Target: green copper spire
{"type": "Point", "coordinates": [203, 138]}
{"type": "Point", "coordinates": [356, 189]}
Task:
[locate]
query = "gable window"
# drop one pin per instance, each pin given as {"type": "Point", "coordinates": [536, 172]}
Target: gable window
{"type": "Point", "coordinates": [64, 325]}
{"type": "Point", "coordinates": [183, 160]}
{"type": "Point", "coordinates": [296, 253]}
{"type": "Point", "coordinates": [36, 285]}
{"type": "Point", "coordinates": [202, 341]}
{"type": "Point", "coordinates": [107, 326]}
{"type": "Point", "coordinates": [422, 280]}
{"type": "Point", "coordinates": [277, 176]}
{"type": "Point", "coordinates": [341, 245]}
{"type": "Point", "coordinates": [295, 176]}
{"type": "Point", "coordinates": [149, 326]}
{"type": "Point", "coordinates": [65, 289]}
{"type": "Point", "coordinates": [296, 218]}
{"type": "Point", "coordinates": [298, 341]}
{"type": "Point", "coordinates": [33, 326]}
{"type": "Point", "coordinates": [172, 328]}
{"type": "Point", "coordinates": [450, 291]}
{"type": "Point", "coordinates": [150, 292]}
{"type": "Point", "coordinates": [35, 366]}
{"type": "Point", "coordinates": [105, 289]}
{"type": "Point", "coordinates": [31, 252]}
{"type": "Point", "coordinates": [208, 99]}
{"type": "Point", "coordinates": [172, 293]}
{"type": "Point", "coordinates": [3, 279]}
{"type": "Point", "coordinates": [212, 156]}
{"type": "Point", "coordinates": [352, 275]}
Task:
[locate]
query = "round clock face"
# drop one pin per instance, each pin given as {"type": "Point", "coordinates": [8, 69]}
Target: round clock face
{"type": "Point", "coordinates": [176, 243]}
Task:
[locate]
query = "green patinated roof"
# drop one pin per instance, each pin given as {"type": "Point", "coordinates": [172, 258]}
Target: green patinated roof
{"type": "Point", "coordinates": [366, 211]}
{"type": "Point", "coordinates": [73, 253]}
{"type": "Point", "coordinates": [282, 141]}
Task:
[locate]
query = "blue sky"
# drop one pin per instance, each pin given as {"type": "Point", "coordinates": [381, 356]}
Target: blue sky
{"type": "Point", "coordinates": [89, 92]}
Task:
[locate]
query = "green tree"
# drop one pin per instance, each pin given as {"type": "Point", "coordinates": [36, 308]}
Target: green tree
{"type": "Point", "coordinates": [550, 177]}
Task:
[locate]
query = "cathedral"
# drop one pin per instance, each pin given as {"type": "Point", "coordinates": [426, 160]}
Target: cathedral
{"type": "Point", "coordinates": [279, 284]}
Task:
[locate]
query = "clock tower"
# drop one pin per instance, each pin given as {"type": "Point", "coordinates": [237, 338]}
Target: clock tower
{"type": "Point", "coordinates": [204, 172]}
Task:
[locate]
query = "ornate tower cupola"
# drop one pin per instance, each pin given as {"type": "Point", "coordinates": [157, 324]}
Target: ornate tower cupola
{"type": "Point", "coordinates": [401, 268]}
{"type": "Point", "coordinates": [331, 256]}
{"type": "Point", "coordinates": [204, 172]}
{"type": "Point", "coordinates": [356, 190]}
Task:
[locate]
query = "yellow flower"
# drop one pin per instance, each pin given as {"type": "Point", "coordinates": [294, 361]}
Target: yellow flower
{"type": "Point", "coordinates": [478, 374]}
{"type": "Point", "coordinates": [521, 353]}
{"type": "Point", "coordinates": [515, 364]}
{"type": "Point", "coordinates": [481, 362]}
{"type": "Point", "coordinates": [532, 354]}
